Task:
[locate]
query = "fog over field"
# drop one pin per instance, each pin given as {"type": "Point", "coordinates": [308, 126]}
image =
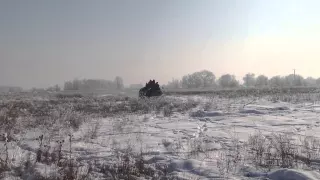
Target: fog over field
{"type": "Point", "coordinates": [159, 90]}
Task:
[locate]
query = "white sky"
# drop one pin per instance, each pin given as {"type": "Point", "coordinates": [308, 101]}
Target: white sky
{"type": "Point", "coordinates": [47, 42]}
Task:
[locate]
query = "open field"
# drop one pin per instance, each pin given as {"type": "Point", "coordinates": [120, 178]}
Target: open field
{"type": "Point", "coordinates": [243, 91]}
{"type": "Point", "coordinates": [240, 92]}
{"type": "Point", "coordinates": [231, 135]}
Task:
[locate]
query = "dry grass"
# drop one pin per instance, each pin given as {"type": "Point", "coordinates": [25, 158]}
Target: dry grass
{"type": "Point", "coordinates": [268, 152]}
{"type": "Point", "coordinates": [60, 116]}
{"type": "Point", "coordinates": [57, 117]}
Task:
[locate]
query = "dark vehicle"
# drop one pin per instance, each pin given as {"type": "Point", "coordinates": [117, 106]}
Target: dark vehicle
{"type": "Point", "coordinates": [151, 89]}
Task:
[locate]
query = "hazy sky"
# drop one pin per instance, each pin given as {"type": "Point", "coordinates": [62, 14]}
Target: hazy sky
{"type": "Point", "coordinates": [47, 42]}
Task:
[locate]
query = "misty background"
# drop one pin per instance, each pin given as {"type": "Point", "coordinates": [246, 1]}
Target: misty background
{"type": "Point", "coordinates": [79, 45]}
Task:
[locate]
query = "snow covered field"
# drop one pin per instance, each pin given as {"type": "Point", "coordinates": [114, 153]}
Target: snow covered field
{"type": "Point", "coordinates": [172, 137]}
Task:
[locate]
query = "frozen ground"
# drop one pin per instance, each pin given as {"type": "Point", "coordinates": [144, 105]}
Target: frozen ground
{"type": "Point", "coordinates": [215, 139]}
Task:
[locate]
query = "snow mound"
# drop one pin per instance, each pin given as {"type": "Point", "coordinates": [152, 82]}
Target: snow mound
{"type": "Point", "coordinates": [251, 111]}
{"type": "Point", "coordinates": [290, 174]}
{"type": "Point", "coordinates": [155, 159]}
{"type": "Point", "coordinates": [183, 165]}
{"type": "Point", "coordinates": [201, 113]}
{"type": "Point", "coordinates": [281, 108]}
{"type": "Point", "coordinates": [214, 113]}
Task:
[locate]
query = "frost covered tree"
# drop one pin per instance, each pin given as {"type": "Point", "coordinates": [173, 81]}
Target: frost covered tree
{"type": "Point", "coordinates": [94, 84]}
{"type": "Point", "coordinates": [310, 81]}
{"type": "Point", "coordinates": [55, 88]}
{"type": "Point", "coordinates": [68, 85]}
{"type": "Point", "coordinates": [318, 82]}
{"type": "Point", "coordinates": [299, 80]}
{"type": "Point", "coordinates": [207, 77]}
{"type": "Point", "coordinates": [174, 84]}
{"type": "Point", "coordinates": [15, 89]}
{"type": "Point", "coordinates": [249, 80]}
{"type": "Point", "coordinates": [76, 84]}
{"type": "Point", "coordinates": [293, 80]}
{"type": "Point", "coordinates": [228, 81]}
{"type": "Point", "coordinates": [261, 81]}
{"type": "Point", "coordinates": [191, 81]}
{"type": "Point", "coordinates": [119, 83]}
{"type": "Point", "coordinates": [276, 81]}
{"type": "Point", "coordinates": [135, 86]}
{"type": "Point", "coordinates": [199, 79]}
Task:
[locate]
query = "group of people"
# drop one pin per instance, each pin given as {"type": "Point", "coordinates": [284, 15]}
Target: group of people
{"type": "Point", "coordinates": [152, 85]}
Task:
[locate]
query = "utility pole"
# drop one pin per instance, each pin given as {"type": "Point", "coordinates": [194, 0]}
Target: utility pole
{"type": "Point", "coordinates": [247, 81]}
{"type": "Point", "coordinates": [294, 77]}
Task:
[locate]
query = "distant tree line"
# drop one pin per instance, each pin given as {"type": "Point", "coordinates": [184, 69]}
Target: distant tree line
{"type": "Point", "coordinates": [250, 80]}
{"type": "Point", "coordinates": [135, 86]}
{"type": "Point", "coordinates": [94, 84]}
{"type": "Point", "coordinates": [200, 79]}
{"type": "Point", "coordinates": [55, 88]}
{"type": "Point", "coordinates": [11, 89]}
{"type": "Point", "coordinates": [207, 79]}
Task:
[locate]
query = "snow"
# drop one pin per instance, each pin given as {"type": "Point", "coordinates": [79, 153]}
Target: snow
{"type": "Point", "coordinates": [286, 174]}
{"type": "Point", "coordinates": [214, 128]}
{"type": "Point", "coordinates": [202, 113]}
{"type": "Point", "coordinates": [290, 174]}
